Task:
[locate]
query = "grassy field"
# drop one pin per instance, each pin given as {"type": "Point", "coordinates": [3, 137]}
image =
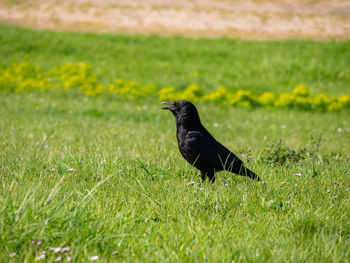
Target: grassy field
{"type": "Point", "coordinates": [103, 176]}
{"type": "Point", "coordinates": [236, 64]}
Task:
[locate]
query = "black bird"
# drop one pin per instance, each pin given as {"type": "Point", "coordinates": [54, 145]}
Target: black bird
{"type": "Point", "coordinates": [199, 147]}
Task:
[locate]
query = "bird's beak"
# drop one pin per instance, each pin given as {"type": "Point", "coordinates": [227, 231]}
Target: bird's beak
{"type": "Point", "coordinates": [170, 103]}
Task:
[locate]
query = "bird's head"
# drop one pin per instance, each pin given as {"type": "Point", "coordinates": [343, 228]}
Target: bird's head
{"type": "Point", "coordinates": [184, 111]}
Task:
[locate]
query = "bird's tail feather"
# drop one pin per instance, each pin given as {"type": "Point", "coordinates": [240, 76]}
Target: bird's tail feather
{"type": "Point", "coordinates": [246, 172]}
{"type": "Point", "coordinates": [236, 166]}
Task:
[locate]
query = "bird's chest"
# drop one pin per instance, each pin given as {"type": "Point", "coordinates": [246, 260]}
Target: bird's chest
{"type": "Point", "coordinates": [184, 150]}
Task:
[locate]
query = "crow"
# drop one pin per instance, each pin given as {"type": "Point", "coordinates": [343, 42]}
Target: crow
{"type": "Point", "coordinates": [199, 147]}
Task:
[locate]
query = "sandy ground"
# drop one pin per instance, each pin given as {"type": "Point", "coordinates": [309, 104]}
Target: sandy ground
{"type": "Point", "coordinates": [255, 19]}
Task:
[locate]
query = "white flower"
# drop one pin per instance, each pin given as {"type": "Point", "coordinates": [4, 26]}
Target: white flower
{"type": "Point", "coordinates": [339, 130]}
{"type": "Point", "coordinates": [298, 174]}
{"type": "Point", "coordinates": [59, 249]}
{"type": "Point", "coordinates": [40, 257]}
{"type": "Point", "coordinates": [296, 185]}
{"type": "Point", "coordinates": [55, 249]}
{"type": "Point", "coordinates": [12, 254]}
{"type": "Point", "coordinates": [58, 258]}
{"type": "Point", "coordinates": [216, 124]}
{"type": "Point", "coordinates": [190, 183]}
{"type": "Point", "coordinates": [93, 258]}
{"type": "Point", "coordinates": [65, 249]}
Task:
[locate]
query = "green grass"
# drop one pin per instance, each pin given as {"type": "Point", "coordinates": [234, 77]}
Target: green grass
{"type": "Point", "coordinates": [130, 200]}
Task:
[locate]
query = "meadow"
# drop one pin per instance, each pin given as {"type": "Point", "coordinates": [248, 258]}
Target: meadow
{"type": "Point", "coordinates": [100, 178]}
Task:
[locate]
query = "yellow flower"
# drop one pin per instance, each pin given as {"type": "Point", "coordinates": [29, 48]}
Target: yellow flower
{"type": "Point", "coordinates": [24, 76]}
{"type": "Point", "coordinates": [303, 103]}
{"type": "Point", "coordinates": [301, 90]}
{"type": "Point", "coordinates": [167, 93]}
{"type": "Point", "coordinates": [285, 100]}
{"type": "Point", "coordinates": [244, 104]}
{"type": "Point", "coordinates": [321, 101]}
{"type": "Point", "coordinates": [267, 99]}
{"type": "Point", "coordinates": [335, 106]}
{"type": "Point", "coordinates": [192, 93]}
{"type": "Point", "coordinates": [241, 98]}
{"type": "Point", "coordinates": [220, 95]}
{"type": "Point", "coordinates": [344, 101]}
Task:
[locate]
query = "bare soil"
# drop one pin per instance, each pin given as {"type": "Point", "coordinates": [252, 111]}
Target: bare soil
{"type": "Point", "coordinates": [255, 19]}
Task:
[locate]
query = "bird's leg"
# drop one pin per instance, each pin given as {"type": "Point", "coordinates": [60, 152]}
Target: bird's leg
{"type": "Point", "coordinates": [202, 175]}
{"type": "Point", "coordinates": [211, 176]}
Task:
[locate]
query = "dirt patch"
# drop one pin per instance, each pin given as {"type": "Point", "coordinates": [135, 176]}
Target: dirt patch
{"type": "Point", "coordinates": [257, 19]}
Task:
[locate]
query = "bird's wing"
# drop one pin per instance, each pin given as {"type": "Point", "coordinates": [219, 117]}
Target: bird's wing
{"type": "Point", "coordinates": [209, 150]}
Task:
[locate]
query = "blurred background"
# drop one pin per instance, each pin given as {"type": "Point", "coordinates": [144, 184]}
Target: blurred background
{"type": "Point", "coordinates": [255, 19]}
